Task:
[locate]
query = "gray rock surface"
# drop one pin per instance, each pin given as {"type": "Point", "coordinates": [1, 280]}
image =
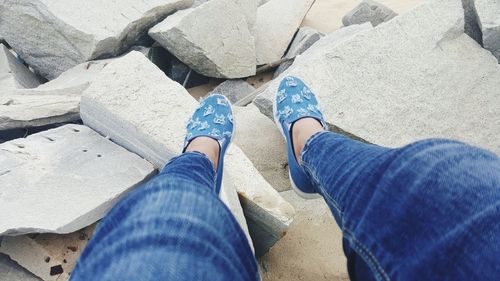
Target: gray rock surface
{"type": "Point", "coordinates": [303, 40]}
{"type": "Point", "coordinates": [63, 179]}
{"type": "Point", "coordinates": [143, 110]}
{"type": "Point", "coordinates": [14, 74]}
{"type": "Point", "coordinates": [56, 101]}
{"type": "Point", "coordinates": [248, 7]}
{"type": "Point", "coordinates": [52, 36]}
{"type": "Point", "coordinates": [488, 15]}
{"type": "Point", "coordinates": [261, 141]}
{"type": "Point", "coordinates": [277, 22]}
{"type": "Point", "coordinates": [406, 80]}
{"type": "Point", "coordinates": [11, 271]}
{"type": "Point", "coordinates": [213, 39]}
{"type": "Point", "coordinates": [368, 11]}
{"type": "Point", "coordinates": [43, 253]}
{"type": "Point", "coordinates": [234, 90]}
{"type": "Point", "coordinates": [264, 100]}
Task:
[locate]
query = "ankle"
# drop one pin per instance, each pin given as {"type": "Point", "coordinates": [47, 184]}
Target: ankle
{"type": "Point", "coordinates": [207, 146]}
{"type": "Point", "coordinates": [302, 131]}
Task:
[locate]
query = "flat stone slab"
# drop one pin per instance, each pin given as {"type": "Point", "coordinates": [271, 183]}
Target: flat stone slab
{"type": "Point", "coordinates": [368, 11]}
{"type": "Point", "coordinates": [54, 102]}
{"type": "Point", "coordinates": [77, 31]}
{"type": "Point", "coordinates": [417, 76]}
{"type": "Point", "coordinates": [13, 73]}
{"type": "Point", "coordinates": [49, 256]}
{"type": "Point", "coordinates": [277, 22]}
{"type": "Point", "coordinates": [63, 179]}
{"type": "Point", "coordinates": [144, 111]}
{"type": "Point", "coordinates": [213, 39]}
{"type": "Point", "coordinates": [234, 90]}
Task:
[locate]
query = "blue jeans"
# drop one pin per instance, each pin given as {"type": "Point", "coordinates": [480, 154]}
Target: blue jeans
{"type": "Point", "coordinates": [426, 211]}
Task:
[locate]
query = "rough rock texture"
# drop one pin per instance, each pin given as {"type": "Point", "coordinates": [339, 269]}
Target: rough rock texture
{"type": "Point", "coordinates": [140, 108]}
{"type": "Point", "coordinates": [428, 79]}
{"type": "Point", "coordinates": [14, 74]}
{"type": "Point", "coordinates": [56, 101]}
{"type": "Point", "coordinates": [248, 7]}
{"type": "Point", "coordinates": [11, 271]}
{"type": "Point", "coordinates": [46, 253]}
{"type": "Point", "coordinates": [52, 36]}
{"type": "Point", "coordinates": [63, 179]}
{"type": "Point", "coordinates": [234, 90]}
{"type": "Point", "coordinates": [368, 11]}
{"type": "Point", "coordinates": [488, 16]}
{"type": "Point", "coordinates": [303, 40]}
{"type": "Point", "coordinates": [471, 26]}
{"type": "Point", "coordinates": [312, 248]}
{"type": "Point", "coordinates": [213, 39]}
{"type": "Point", "coordinates": [261, 141]}
{"type": "Point", "coordinates": [264, 100]}
{"type": "Point", "coordinates": [277, 22]}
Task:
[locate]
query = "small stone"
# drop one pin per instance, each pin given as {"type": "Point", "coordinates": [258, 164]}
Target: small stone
{"type": "Point", "coordinates": [234, 90]}
{"type": "Point", "coordinates": [14, 74]}
{"type": "Point", "coordinates": [41, 175]}
{"type": "Point", "coordinates": [12, 271]}
{"type": "Point", "coordinates": [213, 39]}
{"type": "Point", "coordinates": [57, 35]}
{"type": "Point", "coordinates": [277, 22]}
{"type": "Point", "coordinates": [368, 11]}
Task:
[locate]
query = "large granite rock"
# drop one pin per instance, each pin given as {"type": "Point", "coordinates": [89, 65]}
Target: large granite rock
{"type": "Point", "coordinates": [303, 40]}
{"type": "Point", "coordinates": [234, 90]}
{"type": "Point", "coordinates": [486, 13]}
{"type": "Point", "coordinates": [14, 74]}
{"type": "Point", "coordinates": [213, 39]}
{"type": "Point", "coordinates": [49, 256]}
{"type": "Point", "coordinates": [56, 101]}
{"type": "Point", "coordinates": [52, 36]}
{"type": "Point", "coordinates": [248, 7]}
{"type": "Point", "coordinates": [277, 22]}
{"type": "Point", "coordinates": [368, 11]}
{"type": "Point", "coordinates": [417, 76]}
{"type": "Point", "coordinates": [63, 179]}
{"type": "Point", "coordinates": [140, 108]}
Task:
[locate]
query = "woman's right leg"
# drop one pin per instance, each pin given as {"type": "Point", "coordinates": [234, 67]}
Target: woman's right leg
{"type": "Point", "coordinates": [426, 211]}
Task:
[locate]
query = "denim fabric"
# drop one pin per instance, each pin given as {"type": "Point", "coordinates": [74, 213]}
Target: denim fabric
{"type": "Point", "coordinates": [426, 211]}
{"type": "Point", "coordinates": [174, 227]}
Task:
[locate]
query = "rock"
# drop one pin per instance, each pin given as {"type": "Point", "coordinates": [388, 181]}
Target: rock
{"type": "Point", "coordinates": [56, 101]}
{"type": "Point", "coordinates": [312, 248]}
{"type": "Point", "coordinates": [234, 90]}
{"type": "Point", "coordinates": [63, 179]}
{"type": "Point", "coordinates": [391, 88]}
{"type": "Point", "coordinates": [368, 11]}
{"type": "Point", "coordinates": [51, 257]}
{"type": "Point", "coordinates": [489, 16]}
{"type": "Point", "coordinates": [213, 39]}
{"type": "Point", "coordinates": [53, 36]}
{"type": "Point", "coordinates": [268, 153]}
{"type": "Point", "coordinates": [305, 38]}
{"type": "Point", "coordinates": [248, 7]}
{"type": "Point", "coordinates": [277, 22]}
{"type": "Point", "coordinates": [264, 100]}
{"type": "Point", "coordinates": [472, 22]}
{"type": "Point", "coordinates": [182, 74]}
{"type": "Point", "coordinates": [11, 271]}
{"type": "Point", "coordinates": [14, 74]}
{"type": "Point", "coordinates": [141, 109]}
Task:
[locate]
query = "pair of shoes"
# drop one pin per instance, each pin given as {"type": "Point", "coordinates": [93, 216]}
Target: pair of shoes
{"type": "Point", "coordinates": [293, 101]}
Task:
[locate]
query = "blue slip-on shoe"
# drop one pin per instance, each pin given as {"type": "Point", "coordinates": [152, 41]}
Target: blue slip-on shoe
{"type": "Point", "coordinates": [294, 101]}
{"type": "Point", "coordinates": [213, 119]}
